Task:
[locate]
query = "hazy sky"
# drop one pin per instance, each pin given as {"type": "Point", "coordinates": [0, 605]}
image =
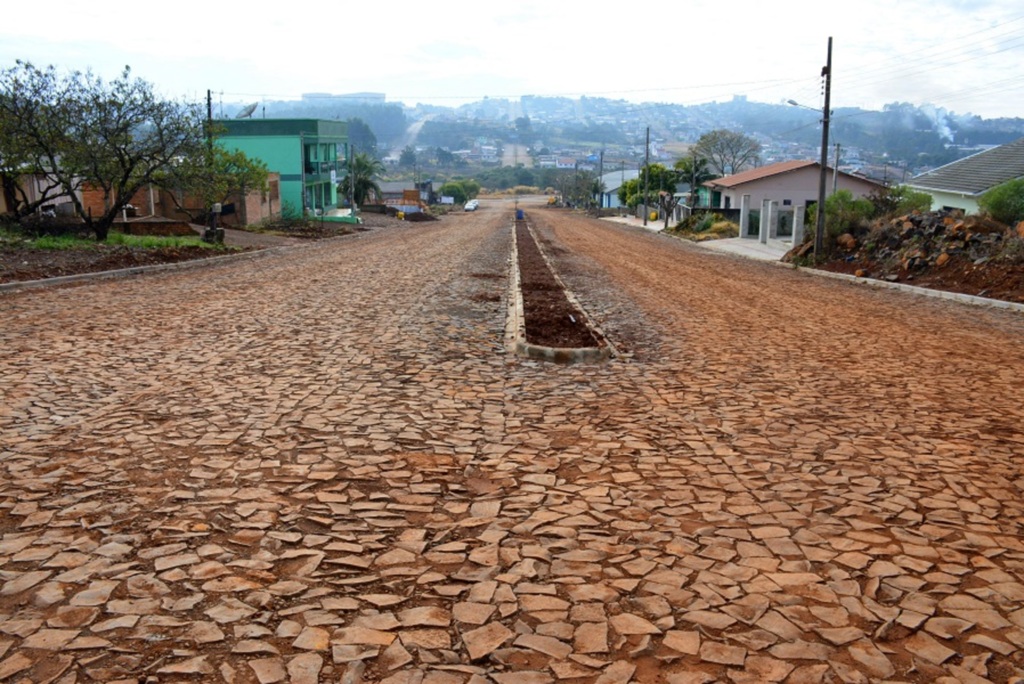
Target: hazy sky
{"type": "Point", "coordinates": [963, 55]}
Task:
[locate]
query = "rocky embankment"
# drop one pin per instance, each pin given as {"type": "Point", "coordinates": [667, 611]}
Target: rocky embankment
{"type": "Point", "coordinates": [972, 255]}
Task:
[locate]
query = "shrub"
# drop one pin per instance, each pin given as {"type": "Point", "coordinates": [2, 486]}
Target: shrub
{"type": "Point", "coordinates": [846, 214]}
{"type": "Point", "coordinates": [898, 200]}
{"type": "Point", "coordinates": [706, 222]}
{"type": "Point", "coordinates": [1005, 203]}
{"type": "Point", "coordinates": [454, 190]}
{"type": "Point", "coordinates": [699, 223]}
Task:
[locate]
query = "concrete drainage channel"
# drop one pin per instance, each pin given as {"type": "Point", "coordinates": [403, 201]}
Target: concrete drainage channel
{"type": "Point", "coordinates": [521, 314]}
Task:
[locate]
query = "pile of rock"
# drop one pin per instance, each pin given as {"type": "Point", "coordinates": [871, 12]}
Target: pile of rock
{"type": "Point", "coordinates": [915, 242]}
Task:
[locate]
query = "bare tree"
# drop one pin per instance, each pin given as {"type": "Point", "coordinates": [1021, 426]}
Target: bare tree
{"type": "Point", "coordinates": [727, 151]}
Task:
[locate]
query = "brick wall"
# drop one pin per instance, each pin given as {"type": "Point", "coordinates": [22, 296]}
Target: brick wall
{"type": "Point", "coordinates": [92, 200]}
{"type": "Point", "coordinates": [256, 206]}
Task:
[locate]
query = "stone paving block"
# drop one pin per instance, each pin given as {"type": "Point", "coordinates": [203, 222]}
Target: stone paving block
{"type": "Point", "coordinates": [325, 465]}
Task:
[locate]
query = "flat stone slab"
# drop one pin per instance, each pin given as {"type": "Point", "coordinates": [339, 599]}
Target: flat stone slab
{"type": "Point", "coordinates": [324, 464]}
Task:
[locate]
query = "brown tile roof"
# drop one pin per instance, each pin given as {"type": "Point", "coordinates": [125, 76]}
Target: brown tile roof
{"type": "Point", "coordinates": [975, 174]}
{"type": "Point", "coordinates": [759, 173]}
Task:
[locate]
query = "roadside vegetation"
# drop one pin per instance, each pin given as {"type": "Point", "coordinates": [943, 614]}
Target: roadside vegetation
{"type": "Point", "coordinates": [12, 237]}
{"type": "Point", "coordinates": [73, 135]}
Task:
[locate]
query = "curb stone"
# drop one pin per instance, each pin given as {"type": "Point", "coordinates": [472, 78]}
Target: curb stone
{"type": "Point", "coordinates": [155, 268]}
{"type": "Point", "coordinates": [515, 323]}
{"type": "Point", "coordinates": [140, 270]}
{"type": "Point", "coordinates": [972, 300]}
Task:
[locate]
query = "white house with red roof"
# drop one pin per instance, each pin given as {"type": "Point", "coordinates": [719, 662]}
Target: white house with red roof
{"type": "Point", "coordinates": [783, 188]}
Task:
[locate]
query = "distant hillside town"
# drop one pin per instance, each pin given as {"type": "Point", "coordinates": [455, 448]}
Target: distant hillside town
{"type": "Point", "coordinates": [893, 144]}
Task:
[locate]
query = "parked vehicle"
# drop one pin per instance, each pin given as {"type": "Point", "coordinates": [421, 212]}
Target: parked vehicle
{"type": "Point", "coordinates": [471, 205]}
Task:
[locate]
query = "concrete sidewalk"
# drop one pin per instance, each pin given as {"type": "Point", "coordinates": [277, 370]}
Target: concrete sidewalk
{"type": "Point", "coordinates": [773, 250]}
{"type": "Point", "coordinates": [751, 248]}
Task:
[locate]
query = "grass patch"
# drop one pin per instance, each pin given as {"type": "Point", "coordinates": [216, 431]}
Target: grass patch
{"type": "Point", "coordinates": [158, 241]}
{"type": "Point", "coordinates": [54, 243]}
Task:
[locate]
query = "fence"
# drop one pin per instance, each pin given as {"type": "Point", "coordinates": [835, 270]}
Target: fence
{"type": "Point", "coordinates": [780, 228]}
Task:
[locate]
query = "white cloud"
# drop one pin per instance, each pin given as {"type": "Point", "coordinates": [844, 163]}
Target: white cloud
{"type": "Point", "coordinates": [959, 55]}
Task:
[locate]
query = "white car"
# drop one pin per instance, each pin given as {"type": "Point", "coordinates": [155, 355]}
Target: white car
{"type": "Point", "coordinates": [471, 205]}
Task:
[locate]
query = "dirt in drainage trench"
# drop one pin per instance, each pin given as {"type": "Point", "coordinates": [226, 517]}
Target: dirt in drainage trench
{"type": "Point", "coordinates": [551, 319]}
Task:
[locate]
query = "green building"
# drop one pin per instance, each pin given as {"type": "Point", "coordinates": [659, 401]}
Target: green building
{"type": "Point", "coordinates": [308, 153]}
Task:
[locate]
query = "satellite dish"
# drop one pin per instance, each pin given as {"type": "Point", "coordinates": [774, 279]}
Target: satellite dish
{"type": "Point", "coordinates": [247, 112]}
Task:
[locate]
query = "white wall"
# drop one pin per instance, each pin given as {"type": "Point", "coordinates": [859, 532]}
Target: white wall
{"type": "Point", "coordinates": [800, 187]}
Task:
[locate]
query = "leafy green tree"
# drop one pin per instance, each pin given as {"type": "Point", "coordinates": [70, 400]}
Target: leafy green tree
{"type": "Point", "coordinates": [407, 158]}
{"type": "Point", "coordinates": [455, 190]}
{"type": "Point", "coordinates": [361, 137]}
{"type": "Point", "coordinates": [443, 157]}
{"type": "Point", "coordinates": [361, 177]}
{"type": "Point", "coordinates": [694, 170]}
{"type": "Point", "coordinates": [654, 179]}
{"type": "Point", "coordinates": [20, 153]}
{"type": "Point", "coordinates": [629, 193]}
{"type": "Point", "coordinates": [1005, 202]}
{"type": "Point", "coordinates": [728, 151]}
{"type": "Point", "coordinates": [898, 200]}
{"type": "Point", "coordinates": [471, 186]}
{"type": "Point", "coordinates": [118, 137]}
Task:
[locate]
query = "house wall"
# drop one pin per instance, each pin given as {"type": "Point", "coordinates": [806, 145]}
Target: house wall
{"type": "Point", "coordinates": [953, 200]}
{"type": "Point", "coordinates": [260, 206]}
{"type": "Point", "coordinates": [799, 187]}
{"type": "Point", "coordinates": [256, 206]}
{"type": "Point", "coordinates": [146, 200]}
{"type": "Point", "coordinates": [287, 155]}
{"type": "Point", "coordinates": [282, 154]}
{"type": "Point", "coordinates": [33, 186]}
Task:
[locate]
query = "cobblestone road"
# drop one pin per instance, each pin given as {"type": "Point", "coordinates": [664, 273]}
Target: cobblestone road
{"type": "Point", "coordinates": [322, 466]}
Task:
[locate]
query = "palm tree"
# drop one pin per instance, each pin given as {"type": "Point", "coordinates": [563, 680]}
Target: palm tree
{"type": "Point", "coordinates": [696, 171]}
{"type": "Point", "coordinates": [363, 170]}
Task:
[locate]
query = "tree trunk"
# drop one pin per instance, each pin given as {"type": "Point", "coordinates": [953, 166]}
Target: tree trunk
{"type": "Point", "coordinates": [101, 227]}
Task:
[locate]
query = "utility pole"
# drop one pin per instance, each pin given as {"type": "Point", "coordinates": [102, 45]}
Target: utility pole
{"type": "Point", "coordinates": [819, 233]}
{"type": "Point", "coordinates": [693, 180]}
{"type": "Point", "coordinates": [647, 172]}
{"type": "Point", "coordinates": [515, 169]}
{"type": "Point", "coordinates": [600, 184]}
{"type": "Point", "coordinates": [835, 170]}
{"type": "Point", "coordinates": [352, 179]}
{"type": "Point", "coordinates": [212, 233]}
{"type": "Point", "coordinates": [622, 180]}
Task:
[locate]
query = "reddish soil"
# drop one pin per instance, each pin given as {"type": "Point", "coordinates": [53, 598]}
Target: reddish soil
{"type": "Point", "coordinates": [1001, 280]}
{"type": "Point", "coordinates": [551, 319]}
{"type": "Point", "coordinates": [972, 255]}
{"type": "Point", "coordinates": [20, 265]}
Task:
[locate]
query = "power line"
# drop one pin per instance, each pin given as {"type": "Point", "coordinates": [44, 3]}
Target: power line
{"type": "Point", "coordinates": [944, 48]}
